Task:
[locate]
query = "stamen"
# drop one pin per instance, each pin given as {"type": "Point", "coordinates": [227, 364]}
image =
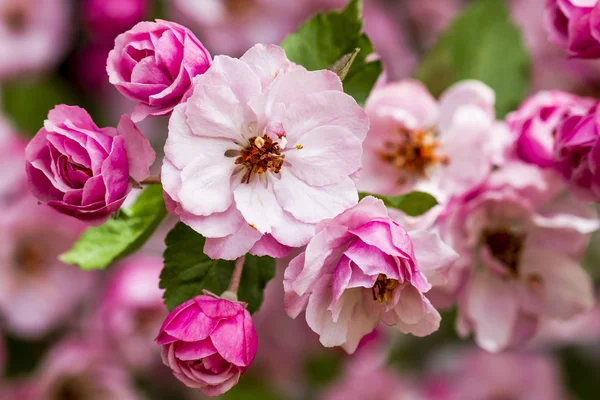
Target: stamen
{"type": "Point", "coordinates": [383, 288]}
{"type": "Point", "coordinates": [505, 246]}
{"type": "Point", "coordinates": [261, 155]}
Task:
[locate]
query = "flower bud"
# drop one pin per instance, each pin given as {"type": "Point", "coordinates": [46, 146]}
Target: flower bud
{"type": "Point", "coordinates": [574, 25]}
{"type": "Point", "coordinates": [208, 343]}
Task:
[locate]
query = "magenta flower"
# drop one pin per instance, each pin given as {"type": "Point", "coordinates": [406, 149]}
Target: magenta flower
{"type": "Point", "coordinates": [574, 25]}
{"type": "Point", "coordinates": [37, 292]}
{"type": "Point", "coordinates": [262, 151]}
{"type": "Point", "coordinates": [416, 142]}
{"type": "Point", "coordinates": [33, 35]}
{"type": "Point", "coordinates": [154, 63]}
{"type": "Point", "coordinates": [208, 343]}
{"type": "Point", "coordinates": [131, 311]}
{"type": "Point", "coordinates": [520, 242]}
{"type": "Point", "coordinates": [105, 19]}
{"type": "Point", "coordinates": [577, 154]}
{"type": "Point", "coordinates": [82, 170]}
{"type": "Point", "coordinates": [360, 268]}
{"type": "Point", "coordinates": [536, 122]}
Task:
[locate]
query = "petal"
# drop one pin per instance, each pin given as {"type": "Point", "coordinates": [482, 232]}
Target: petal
{"type": "Point", "coordinates": [293, 303]}
{"type": "Point", "coordinates": [190, 351]}
{"type": "Point", "coordinates": [434, 257]}
{"type": "Point", "coordinates": [233, 246]}
{"type": "Point", "coordinates": [467, 92]}
{"type": "Point", "coordinates": [267, 62]}
{"type": "Point", "coordinates": [257, 203]}
{"type": "Point", "coordinates": [140, 155]}
{"type": "Point", "coordinates": [268, 246]}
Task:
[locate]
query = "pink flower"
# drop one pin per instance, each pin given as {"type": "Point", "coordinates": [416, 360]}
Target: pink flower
{"type": "Point", "coordinates": [154, 63]}
{"type": "Point", "coordinates": [417, 143]}
{"type": "Point", "coordinates": [362, 267]}
{"type": "Point", "coordinates": [13, 185]}
{"type": "Point", "coordinates": [577, 154]}
{"type": "Point", "coordinates": [38, 292]}
{"type": "Point", "coordinates": [478, 375]}
{"type": "Point", "coordinates": [208, 343]}
{"type": "Point", "coordinates": [131, 311]}
{"type": "Point", "coordinates": [519, 243]}
{"type": "Point", "coordinates": [262, 151]}
{"type": "Point", "coordinates": [537, 120]}
{"type": "Point", "coordinates": [105, 19]}
{"type": "Point", "coordinates": [33, 35]}
{"type": "Point", "coordinates": [82, 170]}
{"type": "Point", "coordinates": [79, 369]}
{"type": "Point", "coordinates": [574, 25]}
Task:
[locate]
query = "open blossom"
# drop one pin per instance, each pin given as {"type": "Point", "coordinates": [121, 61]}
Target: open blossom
{"type": "Point", "coordinates": [105, 19]}
{"type": "Point", "coordinates": [520, 241]}
{"type": "Point", "coordinates": [260, 152]}
{"type": "Point", "coordinates": [33, 35]}
{"type": "Point", "coordinates": [536, 123]}
{"type": "Point", "coordinates": [208, 343]}
{"type": "Point", "coordinates": [577, 154]}
{"type": "Point", "coordinates": [574, 25]}
{"type": "Point", "coordinates": [416, 142]}
{"type": "Point", "coordinates": [154, 63]}
{"type": "Point", "coordinates": [82, 170]}
{"type": "Point", "coordinates": [360, 268]}
{"type": "Point", "coordinates": [38, 292]}
{"type": "Point", "coordinates": [131, 311]}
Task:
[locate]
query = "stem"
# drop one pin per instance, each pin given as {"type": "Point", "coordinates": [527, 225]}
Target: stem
{"type": "Point", "coordinates": [236, 276]}
{"type": "Point", "coordinates": [151, 180]}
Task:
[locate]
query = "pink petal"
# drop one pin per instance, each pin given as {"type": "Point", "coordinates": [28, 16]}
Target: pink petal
{"type": "Point", "coordinates": [140, 155]}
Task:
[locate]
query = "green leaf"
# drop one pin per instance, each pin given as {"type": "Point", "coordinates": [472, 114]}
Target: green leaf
{"type": "Point", "coordinates": [482, 43]}
{"type": "Point", "coordinates": [188, 271]}
{"type": "Point", "coordinates": [326, 38]}
{"type": "Point", "coordinates": [28, 103]}
{"type": "Point", "coordinates": [100, 246]}
{"type": "Point", "coordinates": [412, 204]}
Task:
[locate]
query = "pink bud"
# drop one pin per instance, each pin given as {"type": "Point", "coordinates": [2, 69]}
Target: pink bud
{"type": "Point", "coordinates": [208, 342]}
{"type": "Point", "coordinates": [574, 25]}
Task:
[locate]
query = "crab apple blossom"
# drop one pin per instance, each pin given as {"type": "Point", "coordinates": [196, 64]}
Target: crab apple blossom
{"type": "Point", "coordinates": [416, 142]}
{"type": "Point", "coordinates": [82, 170]}
{"type": "Point", "coordinates": [153, 63]}
{"type": "Point", "coordinates": [208, 342]}
{"type": "Point", "coordinates": [131, 311]}
{"type": "Point", "coordinates": [38, 292]}
{"type": "Point", "coordinates": [536, 123]}
{"type": "Point", "coordinates": [577, 154]}
{"type": "Point", "coordinates": [574, 25]}
{"type": "Point", "coordinates": [361, 268]}
{"type": "Point", "coordinates": [33, 35]}
{"type": "Point", "coordinates": [260, 152]}
{"type": "Point", "coordinates": [520, 240]}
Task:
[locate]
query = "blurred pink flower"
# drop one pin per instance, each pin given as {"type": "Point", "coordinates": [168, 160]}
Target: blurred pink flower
{"type": "Point", "coordinates": [519, 243]}
{"type": "Point", "coordinates": [79, 369]}
{"type": "Point", "coordinates": [82, 170]}
{"type": "Point", "coordinates": [432, 17]}
{"type": "Point", "coordinates": [154, 63]}
{"type": "Point", "coordinates": [262, 151]}
{"type": "Point", "coordinates": [105, 19]}
{"type": "Point", "coordinates": [37, 292]}
{"type": "Point", "coordinates": [537, 121]}
{"type": "Point", "coordinates": [360, 268]}
{"type": "Point", "coordinates": [91, 68]}
{"type": "Point", "coordinates": [33, 35]}
{"type": "Point", "coordinates": [574, 25]}
{"type": "Point", "coordinates": [577, 154]}
{"type": "Point", "coordinates": [13, 184]}
{"type": "Point", "coordinates": [478, 375]}
{"type": "Point", "coordinates": [131, 311]}
{"type": "Point", "coordinates": [417, 143]}
{"type": "Point", "coordinates": [208, 343]}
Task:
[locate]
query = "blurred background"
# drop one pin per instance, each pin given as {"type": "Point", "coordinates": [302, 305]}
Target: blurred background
{"type": "Point", "coordinates": [67, 334]}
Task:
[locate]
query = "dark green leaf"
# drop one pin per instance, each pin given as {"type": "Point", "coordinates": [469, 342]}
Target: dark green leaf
{"type": "Point", "coordinates": [484, 44]}
{"type": "Point", "coordinates": [326, 38]}
{"type": "Point", "coordinates": [188, 271]}
{"type": "Point", "coordinates": [100, 246]}
{"type": "Point", "coordinates": [412, 204]}
{"type": "Point", "coordinates": [28, 103]}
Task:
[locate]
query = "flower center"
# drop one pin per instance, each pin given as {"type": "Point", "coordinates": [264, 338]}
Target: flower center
{"type": "Point", "coordinates": [29, 258]}
{"type": "Point", "coordinates": [412, 152]}
{"type": "Point", "coordinates": [261, 155]}
{"type": "Point", "coordinates": [505, 246]}
{"type": "Point", "coordinates": [77, 388]}
{"type": "Point", "coordinates": [383, 288]}
{"type": "Point", "coordinates": [83, 169]}
{"type": "Point", "coordinates": [15, 16]}
{"type": "Point", "coordinates": [239, 8]}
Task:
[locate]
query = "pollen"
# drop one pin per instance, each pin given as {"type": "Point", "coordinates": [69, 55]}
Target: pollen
{"type": "Point", "coordinates": [383, 288]}
{"type": "Point", "coordinates": [261, 155]}
{"type": "Point", "coordinates": [413, 152]}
